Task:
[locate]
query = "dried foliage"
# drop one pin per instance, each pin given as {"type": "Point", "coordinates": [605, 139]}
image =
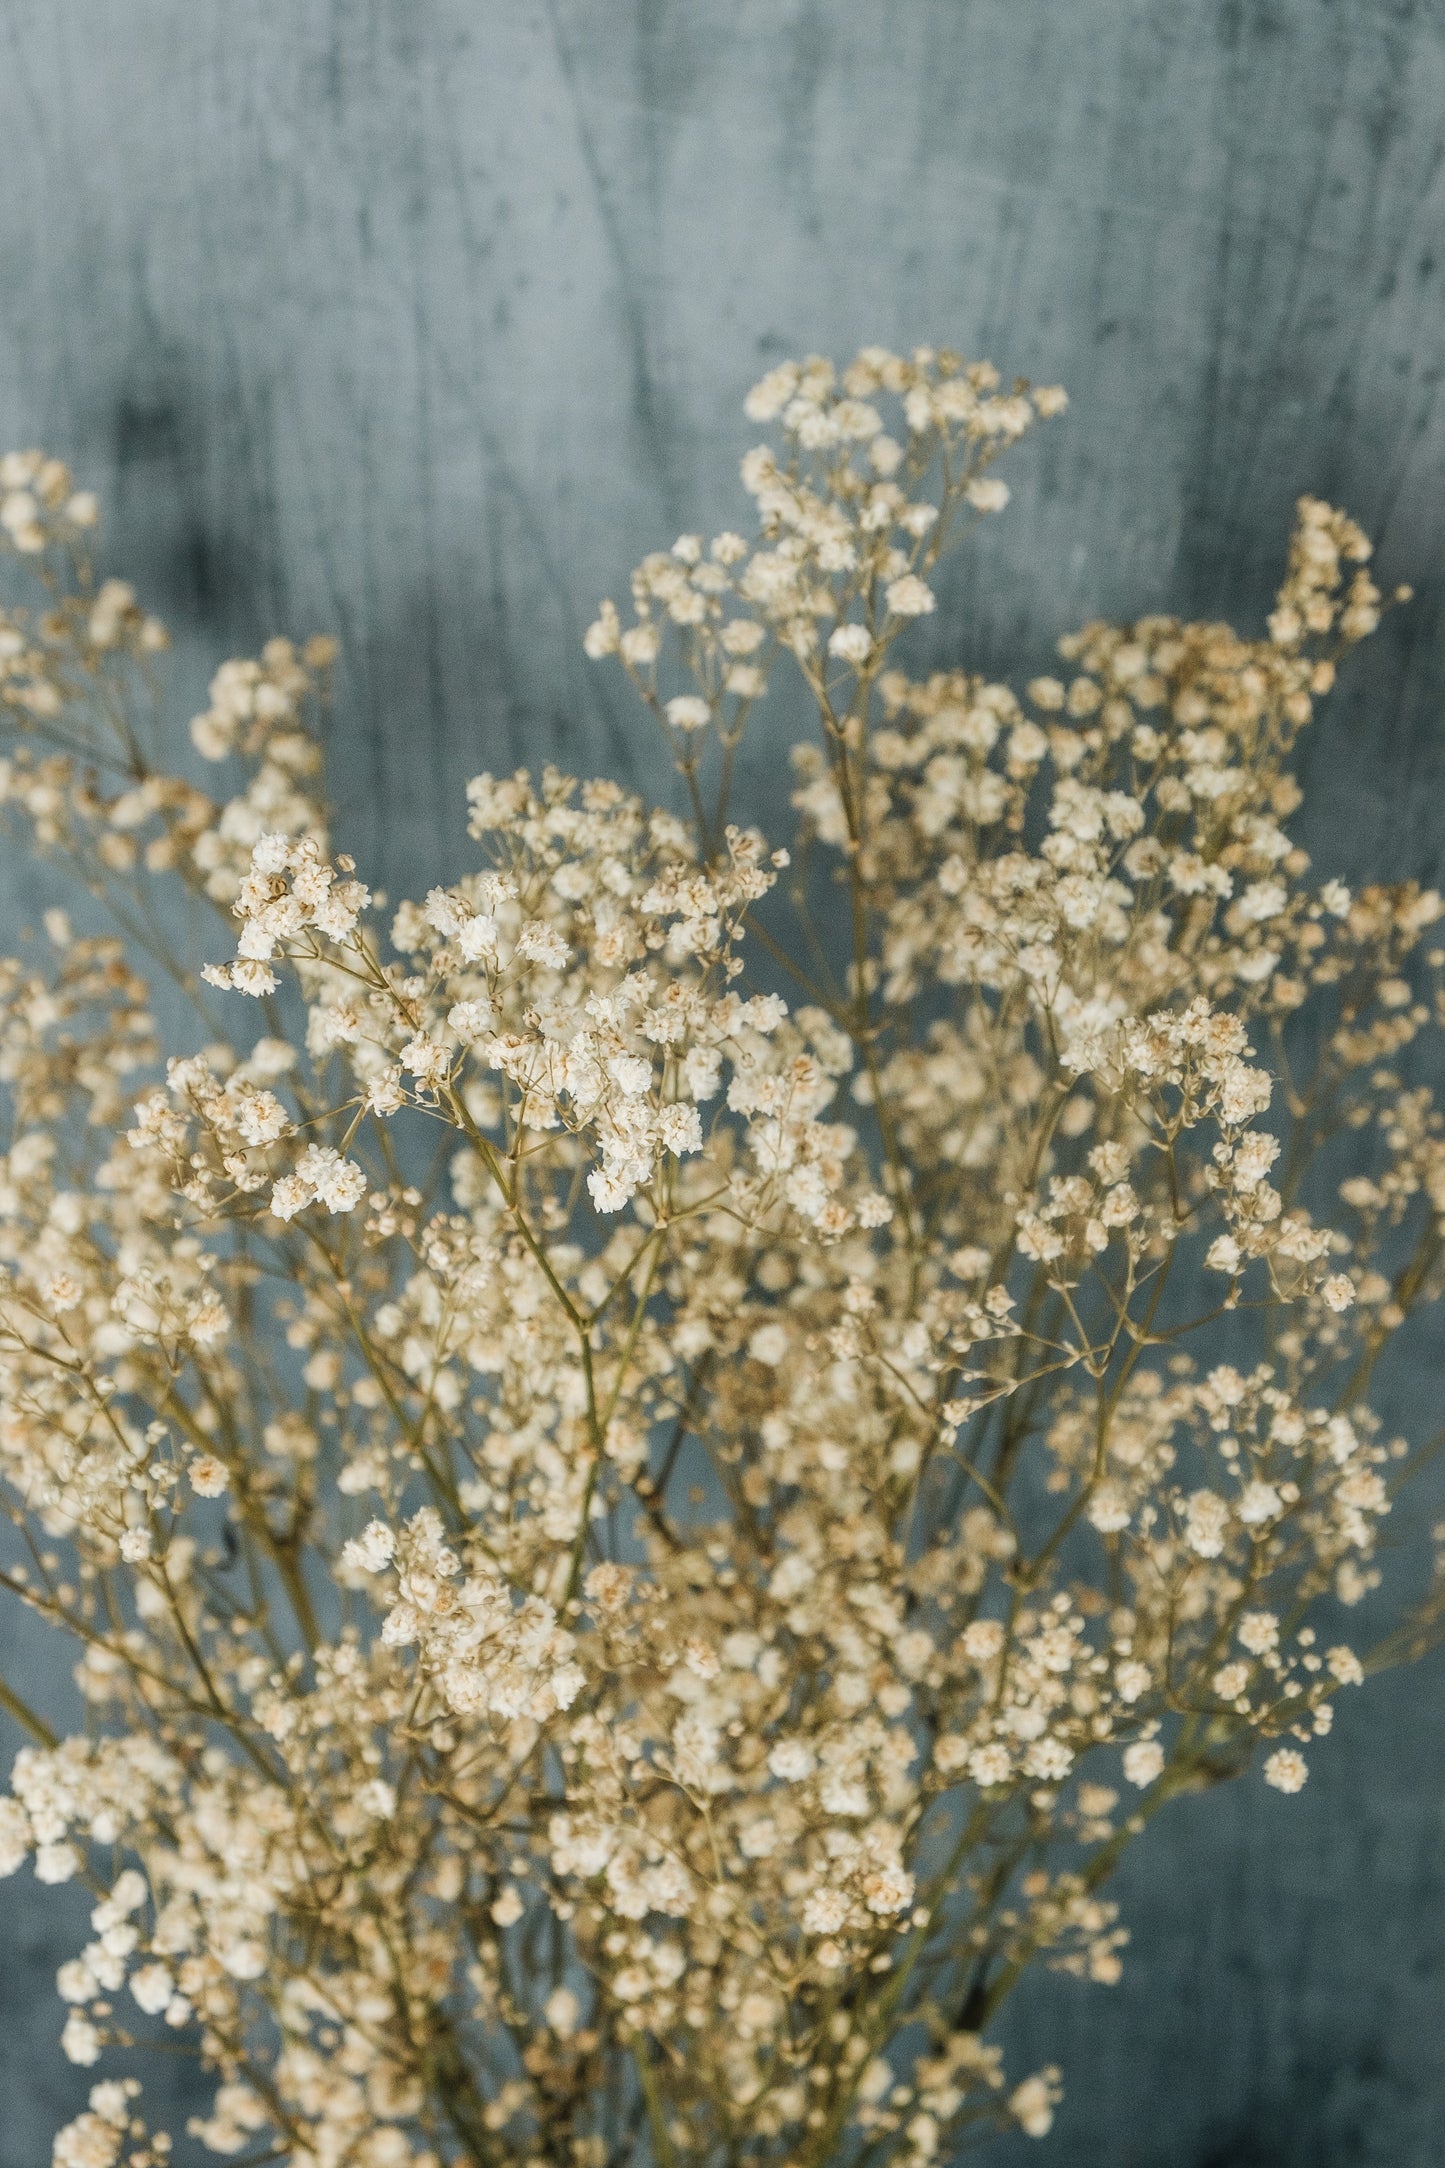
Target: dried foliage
{"type": "Point", "coordinates": [658, 1459]}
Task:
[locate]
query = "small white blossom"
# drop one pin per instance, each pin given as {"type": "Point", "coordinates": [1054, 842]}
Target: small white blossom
{"type": "Point", "coordinates": [910, 597]}
{"type": "Point", "coordinates": [1286, 1770]}
{"type": "Point", "coordinates": [850, 643]}
{"type": "Point", "coordinates": [1143, 1762]}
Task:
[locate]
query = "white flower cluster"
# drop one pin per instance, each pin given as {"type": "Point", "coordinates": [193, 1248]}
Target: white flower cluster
{"type": "Point", "coordinates": [290, 894]}
{"type": "Point", "coordinates": [624, 1636]}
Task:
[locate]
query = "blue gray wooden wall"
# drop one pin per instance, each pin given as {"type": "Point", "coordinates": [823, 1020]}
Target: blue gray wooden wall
{"type": "Point", "coordinates": [418, 320]}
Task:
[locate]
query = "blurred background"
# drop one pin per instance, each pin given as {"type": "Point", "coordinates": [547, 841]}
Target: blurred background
{"type": "Point", "coordinates": [418, 321]}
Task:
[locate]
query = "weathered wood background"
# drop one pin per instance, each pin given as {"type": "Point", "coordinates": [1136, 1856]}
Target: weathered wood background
{"type": "Point", "coordinates": [417, 320]}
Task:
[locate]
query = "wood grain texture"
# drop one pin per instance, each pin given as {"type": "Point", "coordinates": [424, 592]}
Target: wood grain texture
{"type": "Point", "coordinates": [419, 322]}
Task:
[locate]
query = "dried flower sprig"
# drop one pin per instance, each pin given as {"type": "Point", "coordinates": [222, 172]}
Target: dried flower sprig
{"type": "Point", "coordinates": [656, 1476]}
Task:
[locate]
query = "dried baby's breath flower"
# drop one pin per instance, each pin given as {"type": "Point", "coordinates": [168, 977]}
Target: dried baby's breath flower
{"type": "Point", "coordinates": [622, 1637]}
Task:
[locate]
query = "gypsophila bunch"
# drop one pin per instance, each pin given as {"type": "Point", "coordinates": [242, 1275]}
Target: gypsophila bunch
{"type": "Point", "coordinates": [656, 1459]}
